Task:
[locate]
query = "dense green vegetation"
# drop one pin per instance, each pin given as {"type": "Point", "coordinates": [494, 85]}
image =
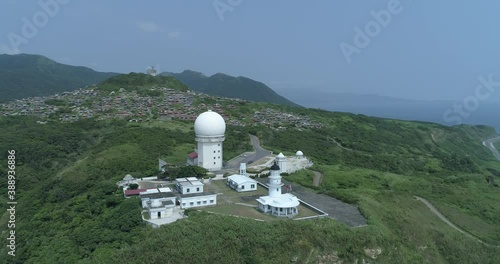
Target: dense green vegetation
{"type": "Point", "coordinates": [385, 145]}
{"type": "Point", "coordinates": [229, 86]}
{"type": "Point", "coordinates": [67, 175]}
{"type": "Point", "coordinates": [142, 83]}
{"type": "Point", "coordinates": [173, 172]}
{"type": "Point", "coordinates": [66, 183]}
{"type": "Point", "coordinates": [25, 75]}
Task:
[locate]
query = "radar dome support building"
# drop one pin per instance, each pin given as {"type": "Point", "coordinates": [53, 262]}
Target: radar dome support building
{"type": "Point", "coordinates": [209, 128]}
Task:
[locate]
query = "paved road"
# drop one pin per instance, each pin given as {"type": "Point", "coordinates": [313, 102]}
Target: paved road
{"type": "Point", "coordinates": [336, 209]}
{"type": "Point", "coordinates": [448, 222]}
{"type": "Point", "coordinates": [489, 144]}
{"type": "Point", "coordinates": [257, 154]}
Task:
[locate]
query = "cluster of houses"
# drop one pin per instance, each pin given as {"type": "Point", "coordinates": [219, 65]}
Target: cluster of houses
{"type": "Point", "coordinates": [173, 104]}
{"type": "Point", "coordinates": [39, 106]}
{"type": "Point", "coordinates": [275, 118]}
{"type": "Point", "coordinates": [34, 106]}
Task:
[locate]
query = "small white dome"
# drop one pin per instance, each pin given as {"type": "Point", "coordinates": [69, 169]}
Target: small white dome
{"type": "Point", "coordinates": [209, 124]}
{"type": "Point", "coordinates": [280, 155]}
{"type": "Point", "coordinates": [156, 203]}
{"type": "Point", "coordinates": [299, 153]}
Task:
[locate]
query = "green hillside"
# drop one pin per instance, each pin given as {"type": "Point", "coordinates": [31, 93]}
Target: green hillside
{"type": "Point", "coordinates": [228, 86]}
{"type": "Point", "coordinates": [139, 82]}
{"type": "Point", "coordinates": [76, 215]}
{"type": "Point", "coordinates": [27, 75]}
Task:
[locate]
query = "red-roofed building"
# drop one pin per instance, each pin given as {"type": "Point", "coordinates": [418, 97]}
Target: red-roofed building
{"type": "Point", "coordinates": [192, 158]}
{"type": "Point", "coordinates": [135, 192]}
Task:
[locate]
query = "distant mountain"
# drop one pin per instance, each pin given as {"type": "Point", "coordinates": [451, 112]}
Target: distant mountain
{"type": "Point", "coordinates": [26, 75]}
{"type": "Point", "coordinates": [228, 86]}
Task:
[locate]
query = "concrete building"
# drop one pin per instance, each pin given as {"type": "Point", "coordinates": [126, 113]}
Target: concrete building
{"type": "Point", "coordinates": [159, 202]}
{"type": "Point", "coordinates": [209, 128]}
{"type": "Point", "coordinates": [192, 194]}
{"type": "Point", "coordinates": [189, 185]}
{"type": "Point", "coordinates": [299, 154]}
{"type": "Point", "coordinates": [276, 203]}
{"type": "Point", "coordinates": [241, 183]}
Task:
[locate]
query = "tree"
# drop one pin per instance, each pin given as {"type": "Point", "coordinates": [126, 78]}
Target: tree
{"type": "Point", "coordinates": [185, 171]}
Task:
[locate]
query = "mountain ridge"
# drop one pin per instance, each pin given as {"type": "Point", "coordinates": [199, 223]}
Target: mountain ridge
{"type": "Point", "coordinates": [27, 75]}
{"type": "Point", "coordinates": [222, 84]}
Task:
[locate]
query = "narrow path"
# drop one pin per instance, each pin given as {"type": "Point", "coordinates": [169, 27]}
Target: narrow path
{"type": "Point", "coordinates": [489, 144]}
{"type": "Point", "coordinates": [444, 219]}
{"type": "Point", "coordinates": [318, 176]}
{"type": "Point", "coordinates": [338, 144]}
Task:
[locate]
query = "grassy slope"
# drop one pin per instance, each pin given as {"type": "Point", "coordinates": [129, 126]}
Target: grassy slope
{"type": "Point", "coordinates": [69, 172]}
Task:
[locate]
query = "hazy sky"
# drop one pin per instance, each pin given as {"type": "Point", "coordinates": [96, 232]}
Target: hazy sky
{"type": "Point", "coordinates": [428, 49]}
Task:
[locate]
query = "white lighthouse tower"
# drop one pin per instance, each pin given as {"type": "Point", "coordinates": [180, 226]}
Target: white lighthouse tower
{"type": "Point", "coordinates": [210, 128]}
{"type": "Point", "coordinates": [276, 203]}
{"type": "Point", "coordinates": [275, 181]}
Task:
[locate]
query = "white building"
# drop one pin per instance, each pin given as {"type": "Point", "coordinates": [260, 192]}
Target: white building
{"type": "Point", "coordinates": [281, 160]}
{"type": "Point", "coordinates": [299, 154]}
{"type": "Point", "coordinates": [276, 203]}
{"type": "Point", "coordinates": [189, 185]}
{"type": "Point", "coordinates": [243, 169]}
{"type": "Point", "coordinates": [241, 183]}
{"type": "Point", "coordinates": [209, 128]}
{"type": "Point", "coordinates": [159, 203]}
{"type": "Point", "coordinates": [191, 193]}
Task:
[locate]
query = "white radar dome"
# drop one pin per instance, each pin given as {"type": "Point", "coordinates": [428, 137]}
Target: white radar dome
{"type": "Point", "coordinates": [209, 124]}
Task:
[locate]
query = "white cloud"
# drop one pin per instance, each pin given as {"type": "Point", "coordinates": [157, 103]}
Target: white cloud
{"type": "Point", "coordinates": [148, 26]}
{"type": "Point", "coordinates": [174, 35]}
